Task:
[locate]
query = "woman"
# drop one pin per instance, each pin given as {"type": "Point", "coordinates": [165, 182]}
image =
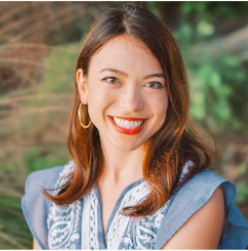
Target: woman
{"type": "Point", "coordinates": [138, 178]}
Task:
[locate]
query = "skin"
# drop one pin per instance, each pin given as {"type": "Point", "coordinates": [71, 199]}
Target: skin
{"type": "Point", "coordinates": [203, 229]}
{"type": "Point", "coordinates": [130, 93]}
{"type": "Point", "coordinates": [36, 245]}
{"type": "Point", "coordinates": [127, 92]}
{"type": "Point", "coordinates": [127, 96]}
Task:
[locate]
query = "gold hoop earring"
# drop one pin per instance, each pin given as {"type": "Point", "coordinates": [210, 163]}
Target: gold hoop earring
{"type": "Point", "coordinates": [79, 118]}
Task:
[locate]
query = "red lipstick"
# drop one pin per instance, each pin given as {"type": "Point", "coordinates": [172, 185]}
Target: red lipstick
{"type": "Point", "coordinates": [130, 131]}
{"type": "Point", "coordinates": [128, 118]}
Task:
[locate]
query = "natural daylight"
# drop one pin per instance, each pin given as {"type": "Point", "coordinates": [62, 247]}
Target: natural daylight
{"type": "Point", "coordinates": [40, 43]}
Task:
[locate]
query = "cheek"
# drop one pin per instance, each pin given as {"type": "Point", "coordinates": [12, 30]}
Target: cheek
{"type": "Point", "coordinates": [159, 104]}
{"type": "Point", "coordinates": [161, 110]}
{"type": "Point", "coordinates": [98, 101]}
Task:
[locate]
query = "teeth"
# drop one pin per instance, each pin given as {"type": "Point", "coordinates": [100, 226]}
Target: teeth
{"type": "Point", "coordinates": [128, 124]}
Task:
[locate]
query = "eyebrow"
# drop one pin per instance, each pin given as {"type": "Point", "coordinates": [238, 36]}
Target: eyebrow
{"type": "Point", "coordinates": [159, 75]}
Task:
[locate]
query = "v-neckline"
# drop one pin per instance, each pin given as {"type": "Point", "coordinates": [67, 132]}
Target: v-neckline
{"type": "Point", "coordinates": [104, 234]}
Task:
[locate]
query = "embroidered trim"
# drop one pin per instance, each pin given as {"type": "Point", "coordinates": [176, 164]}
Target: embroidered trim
{"type": "Point", "coordinates": [124, 232]}
{"type": "Point", "coordinates": [120, 222]}
{"type": "Point", "coordinates": [62, 221]}
{"type": "Point", "coordinates": [146, 228]}
{"type": "Point", "coordinates": [142, 232]}
{"type": "Point", "coordinates": [90, 222]}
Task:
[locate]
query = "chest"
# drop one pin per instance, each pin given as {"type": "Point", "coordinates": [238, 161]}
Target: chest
{"type": "Point", "coordinates": [108, 197]}
{"type": "Point", "coordinates": [93, 223]}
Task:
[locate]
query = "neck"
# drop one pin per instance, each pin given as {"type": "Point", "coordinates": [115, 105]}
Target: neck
{"type": "Point", "coordinates": [122, 166]}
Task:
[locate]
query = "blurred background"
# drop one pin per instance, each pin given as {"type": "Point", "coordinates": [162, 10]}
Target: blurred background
{"type": "Point", "coordinates": [39, 45]}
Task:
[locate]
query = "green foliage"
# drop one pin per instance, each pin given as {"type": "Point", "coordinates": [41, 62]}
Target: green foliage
{"type": "Point", "coordinates": [37, 158]}
{"type": "Point", "coordinates": [59, 69]}
{"type": "Point", "coordinates": [242, 184]}
{"type": "Point", "coordinates": [205, 29]}
{"type": "Point", "coordinates": [14, 232]}
{"type": "Point", "coordinates": [242, 192]}
{"type": "Point", "coordinates": [153, 7]}
{"type": "Point", "coordinates": [217, 76]}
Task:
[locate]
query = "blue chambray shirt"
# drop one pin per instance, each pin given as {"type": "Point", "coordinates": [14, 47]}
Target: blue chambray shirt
{"type": "Point", "coordinates": [79, 225]}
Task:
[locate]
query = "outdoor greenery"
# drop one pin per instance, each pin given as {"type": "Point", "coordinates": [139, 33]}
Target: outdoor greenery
{"type": "Point", "coordinates": [39, 45]}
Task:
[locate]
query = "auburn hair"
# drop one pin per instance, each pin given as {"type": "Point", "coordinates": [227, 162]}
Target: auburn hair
{"type": "Point", "coordinates": [178, 140]}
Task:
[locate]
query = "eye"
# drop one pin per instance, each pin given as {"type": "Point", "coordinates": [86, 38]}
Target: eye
{"type": "Point", "coordinates": [111, 80]}
{"type": "Point", "coordinates": [155, 85]}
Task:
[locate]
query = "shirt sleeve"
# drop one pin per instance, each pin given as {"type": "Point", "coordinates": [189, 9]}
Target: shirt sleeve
{"type": "Point", "coordinates": [194, 195]}
{"type": "Point", "coordinates": [35, 205]}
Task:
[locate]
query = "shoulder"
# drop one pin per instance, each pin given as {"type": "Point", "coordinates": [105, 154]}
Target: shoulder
{"type": "Point", "coordinates": [202, 186]}
{"type": "Point", "coordinates": [35, 205]}
{"type": "Point", "coordinates": [203, 229]}
{"type": "Point", "coordinates": [43, 178]}
{"type": "Point", "coordinates": [198, 191]}
{"type": "Point", "coordinates": [47, 178]}
{"type": "Point", "coordinates": [205, 195]}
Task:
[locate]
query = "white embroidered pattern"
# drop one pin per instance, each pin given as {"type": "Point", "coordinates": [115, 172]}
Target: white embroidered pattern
{"type": "Point", "coordinates": [120, 222]}
{"type": "Point", "coordinates": [90, 222]}
{"type": "Point", "coordinates": [62, 221]}
{"type": "Point", "coordinates": [124, 232]}
{"type": "Point", "coordinates": [144, 230]}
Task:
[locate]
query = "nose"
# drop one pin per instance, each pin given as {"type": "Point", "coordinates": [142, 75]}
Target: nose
{"type": "Point", "coordinates": [131, 99]}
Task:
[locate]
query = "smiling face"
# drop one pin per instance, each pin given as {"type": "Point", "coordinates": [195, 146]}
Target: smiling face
{"type": "Point", "coordinates": [125, 92]}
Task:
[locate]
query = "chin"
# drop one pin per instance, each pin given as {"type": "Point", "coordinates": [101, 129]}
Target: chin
{"type": "Point", "coordinates": [128, 145]}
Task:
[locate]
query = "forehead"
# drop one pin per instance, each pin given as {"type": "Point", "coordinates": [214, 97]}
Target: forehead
{"type": "Point", "coordinates": [124, 42]}
{"type": "Point", "coordinates": [126, 53]}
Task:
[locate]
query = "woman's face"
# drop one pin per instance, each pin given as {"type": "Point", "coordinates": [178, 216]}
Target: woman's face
{"type": "Point", "coordinates": [125, 92]}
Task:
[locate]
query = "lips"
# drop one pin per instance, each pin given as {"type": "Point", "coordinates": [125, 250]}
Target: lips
{"type": "Point", "coordinates": [127, 125]}
{"type": "Point", "coordinates": [129, 118]}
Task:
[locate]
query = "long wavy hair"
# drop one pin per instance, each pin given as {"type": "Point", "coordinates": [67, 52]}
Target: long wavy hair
{"type": "Point", "coordinates": [178, 140]}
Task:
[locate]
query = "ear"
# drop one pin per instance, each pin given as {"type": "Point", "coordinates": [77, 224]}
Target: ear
{"type": "Point", "coordinates": [82, 86]}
